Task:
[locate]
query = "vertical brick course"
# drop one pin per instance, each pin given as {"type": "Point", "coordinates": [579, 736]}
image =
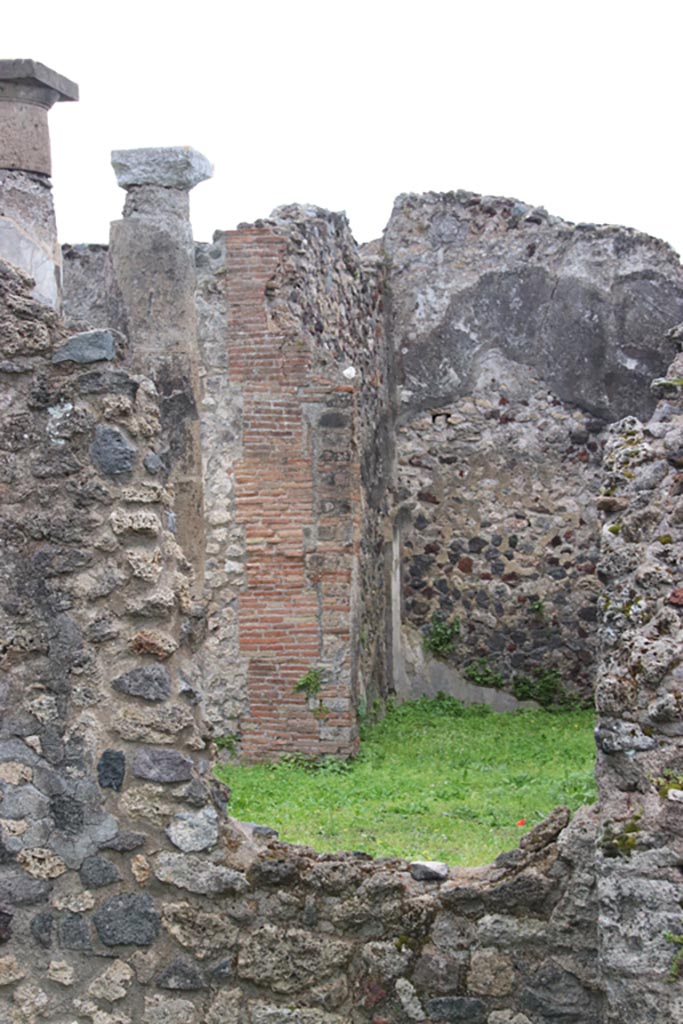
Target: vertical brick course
{"type": "Point", "coordinates": [296, 497]}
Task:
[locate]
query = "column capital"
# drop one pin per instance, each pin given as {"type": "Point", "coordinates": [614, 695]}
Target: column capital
{"type": "Point", "coordinates": [178, 167]}
{"type": "Point", "coordinates": [27, 91]}
{"type": "Point", "coordinates": [28, 81]}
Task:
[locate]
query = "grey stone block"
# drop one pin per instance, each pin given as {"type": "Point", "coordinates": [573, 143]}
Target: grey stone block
{"type": "Point", "coordinates": [162, 765]}
{"type": "Point", "coordinates": [18, 889]}
{"type": "Point", "coordinates": [457, 1008]}
{"type": "Point", "coordinates": [178, 167]}
{"type": "Point", "coordinates": [181, 974]}
{"type": "Point", "coordinates": [130, 919]}
{"type": "Point", "coordinates": [151, 682]}
{"type": "Point", "coordinates": [429, 871]}
{"type": "Point", "coordinates": [194, 831]}
{"type": "Point", "coordinates": [111, 452]}
{"type": "Point", "coordinates": [87, 347]}
{"type": "Point", "coordinates": [111, 769]}
{"type": "Point", "coordinates": [124, 842]}
{"type": "Point", "coordinates": [74, 933]}
{"type": "Point", "coordinates": [97, 872]}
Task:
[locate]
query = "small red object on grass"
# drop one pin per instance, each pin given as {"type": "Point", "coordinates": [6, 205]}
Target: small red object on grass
{"type": "Point", "coordinates": [522, 821]}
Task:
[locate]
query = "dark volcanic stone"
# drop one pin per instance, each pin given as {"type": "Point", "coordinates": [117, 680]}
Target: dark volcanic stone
{"type": "Point", "coordinates": [41, 929]}
{"type": "Point", "coordinates": [181, 974]}
{"type": "Point", "coordinates": [5, 925]}
{"type": "Point", "coordinates": [555, 994]}
{"type": "Point", "coordinates": [222, 971]}
{"type": "Point", "coordinates": [441, 974]}
{"type": "Point", "coordinates": [111, 452]}
{"type": "Point", "coordinates": [273, 872]}
{"type": "Point", "coordinates": [524, 894]}
{"type": "Point", "coordinates": [124, 842]}
{"type": "Point", "coordinates": [162, 765]}
{"type": "Point", "coordinates": [457, 1008]}
{"type": "Point", "coordinates": [111, 769]}
{"type": "Point", "coordinates": [68, 814]}
{"type": "Point", "coordinates": [87, 347]}
{"type": "Point", "coordinates": [333, 419]}
{"type": "Point", "coordinates": [19, 889]}
{"type": "Point", "coordinates": [74, 933]}
{"type": "Point", "coordinates": [151, 682]}
{"type": "Point", "coordinates": [153, 463]}
{"type": "Point", "coordinates": [96, 872]}
{"type": "Point", "coordinates": [130, 919]}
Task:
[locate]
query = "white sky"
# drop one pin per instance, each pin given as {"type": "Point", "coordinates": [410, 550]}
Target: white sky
{"type": "Point", "coordinates": [570, 104]}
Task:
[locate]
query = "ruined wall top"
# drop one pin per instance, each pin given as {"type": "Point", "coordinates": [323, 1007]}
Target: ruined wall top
{"type": "Point", "coordinates": [586, 305]}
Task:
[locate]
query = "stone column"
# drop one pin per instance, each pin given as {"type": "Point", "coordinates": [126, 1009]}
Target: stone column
{"type": "Point", "coordinates": [152, 259]}
{"type": "Point", "coordinates": [28, 233]}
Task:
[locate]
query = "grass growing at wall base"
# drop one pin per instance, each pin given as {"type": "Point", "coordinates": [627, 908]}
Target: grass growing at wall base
{"type": "Point", "coordinates": [435, 780]}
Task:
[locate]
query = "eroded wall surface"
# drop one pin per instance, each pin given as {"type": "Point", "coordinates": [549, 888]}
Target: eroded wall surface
{"type": "Point", "coordinates": [639, 738]}
{"type": "Point", "coordinates": [205, 920]}
{"type": "Point", "coordinates": [518, 338]}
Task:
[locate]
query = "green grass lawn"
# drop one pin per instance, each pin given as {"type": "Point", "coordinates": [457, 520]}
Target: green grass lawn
{"type": "Point", "coordinates": [435, 780]}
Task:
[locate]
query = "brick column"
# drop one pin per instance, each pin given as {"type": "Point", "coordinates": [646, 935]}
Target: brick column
{"type": "Point", "coordinates": [28, 233]}
{"type": "Point", "coordinates": [296, 500]}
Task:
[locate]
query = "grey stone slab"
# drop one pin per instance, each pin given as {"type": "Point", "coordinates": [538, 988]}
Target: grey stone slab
{"type": "Point", "coordinates": [87, 347]}
{"type": "Point", "coordinates": [429, 871]}
{"type": "Point", "coordinates": [198, 875]}
{"type": "Point", "coordinates": [74, 933]}
{"type": "Point", "coordinates": [179, 167]}
{"type": "Point", "coordinates": [32, 71]}
{"type": "Point", "coordinates": [124, 842]}
{"type": "Point", "coordinates": [162, 765]}
{"type": "Point", "coordinates": [19, 889]}
{"type": "Point", "coordinates": [457, 1008]}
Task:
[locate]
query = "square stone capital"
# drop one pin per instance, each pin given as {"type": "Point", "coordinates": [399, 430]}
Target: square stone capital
{"type": "Point", "coordinates": [179, 167]}
{"type": "Point", "coordinates": [28, 81]}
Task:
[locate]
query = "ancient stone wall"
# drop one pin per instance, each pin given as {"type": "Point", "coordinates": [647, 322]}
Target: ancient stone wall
{"type": "Point", "coordinates": [499, 532]}
{"type": "Point", "coordinates": [294, 400]}
{"type": "Point", "coordinates": [518, 337]}
{"type": "Point", "coordinates": [102, 743]}
{"type": "Point", "coordinates": [584, 305]}
{"type": "Point", "coordinates": [296, 425]}
{"type": "Point", "coordinates": [640, 753]}
{"type": "Point", "coordinates": [124, 895]}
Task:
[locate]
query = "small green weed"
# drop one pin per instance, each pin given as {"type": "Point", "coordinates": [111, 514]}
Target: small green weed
{"type": "Point", "coordinates": [537, 606]}
{"type": "Point", "coordinates": [677, 964]}
{"type": "Point", "coordinates": [545, 686]}
{"type": "Point", "coordinates": [481, 673]}
{"type": "Point", "coordinates": [310, 683]}
{"type": "Point", "coordinates": [619, 840]}
{"type": "Point", "coordinates": [227, 742]}
{"type": "Point", "coordinates": [441, 635]}
{"type": "Point", "coordinates": [669, 779]}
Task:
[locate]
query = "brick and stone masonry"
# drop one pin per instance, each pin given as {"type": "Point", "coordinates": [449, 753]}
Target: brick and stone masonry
{"type": "Point", "coordinates": [131, 638]}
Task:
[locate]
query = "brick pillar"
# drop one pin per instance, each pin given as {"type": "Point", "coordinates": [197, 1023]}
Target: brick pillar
{"type": "Point", "coordinates": [296, 498]}
{"type": "Point", "coordinates": [28, 232]}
